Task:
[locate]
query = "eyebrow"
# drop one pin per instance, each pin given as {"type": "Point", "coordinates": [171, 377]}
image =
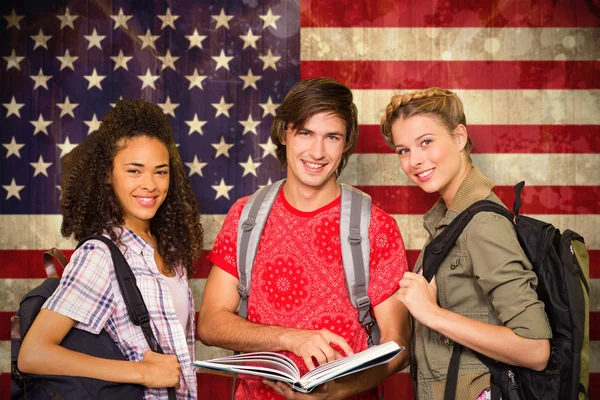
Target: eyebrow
{"type": "Point", "coordinates": [142, 165]}
{"type": "Point", "coordinates": [328, 133]}
{"type": "Point", "coordinates": [419, 138]}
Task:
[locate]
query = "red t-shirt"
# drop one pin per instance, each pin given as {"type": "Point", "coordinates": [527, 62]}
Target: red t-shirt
{"type": "Point", "coordinates": [298, 278]}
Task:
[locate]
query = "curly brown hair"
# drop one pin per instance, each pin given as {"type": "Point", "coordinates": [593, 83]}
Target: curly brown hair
{"type": "Point", "coordinates": [90, 206]}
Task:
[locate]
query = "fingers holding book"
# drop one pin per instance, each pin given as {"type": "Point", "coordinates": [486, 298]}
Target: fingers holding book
{"type": "Point", "coordinates": [322, 392]}
{"type": "Point", "coordinates": [317, 346]}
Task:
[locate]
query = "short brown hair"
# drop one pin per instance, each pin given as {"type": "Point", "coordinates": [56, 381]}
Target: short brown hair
{"type": "Point", "coordinates": [310, 97]}
{"type": "Point", "coordinates": [439, 103]}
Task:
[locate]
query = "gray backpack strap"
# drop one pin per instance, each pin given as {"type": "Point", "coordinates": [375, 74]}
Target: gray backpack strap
{"type": "Point", "coordinates": [252, 221]}
{"type": "Point", "coordinates": [354, 238]}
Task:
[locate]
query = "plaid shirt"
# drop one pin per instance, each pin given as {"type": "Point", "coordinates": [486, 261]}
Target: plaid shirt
{"type": "Point", "coordinates": [89, 294]}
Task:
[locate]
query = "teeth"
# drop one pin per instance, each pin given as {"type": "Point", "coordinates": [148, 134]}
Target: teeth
{"type": "Point", "coordinates": [146, 199]}
{"type": "Point", "coordinates": [312, 165]}
{"type": "Point", "coordinates": [426, 173]}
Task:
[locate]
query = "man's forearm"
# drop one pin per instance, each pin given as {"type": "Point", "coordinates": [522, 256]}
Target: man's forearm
{"type": "Point", "coordinates": [229, 331]}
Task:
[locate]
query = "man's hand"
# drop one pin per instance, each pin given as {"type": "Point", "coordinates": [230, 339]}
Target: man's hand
{"type": "Point", "coordinates": [315, 344]}
{"type": "Point", "coordinates": [326, 391]}
{"type": "Point", "coordinates": [160, 370]}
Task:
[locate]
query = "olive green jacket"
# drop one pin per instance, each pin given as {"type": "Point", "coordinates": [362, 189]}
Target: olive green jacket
{"type": "Point", "coordinates": [486, 277]}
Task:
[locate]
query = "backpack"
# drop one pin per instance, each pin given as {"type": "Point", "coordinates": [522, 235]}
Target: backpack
{"type": "Point", "coordinates": [561, 264]}
{"type": "Point", "coordinates": [70, 387]}
{"type": "Point", "coordinates": [355, 218]}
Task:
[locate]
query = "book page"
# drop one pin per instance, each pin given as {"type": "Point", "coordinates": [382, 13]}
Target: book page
{"type": "Point", "coordinates": [371, 357]}
{"type": "Point", "coordinates": [266, 364]}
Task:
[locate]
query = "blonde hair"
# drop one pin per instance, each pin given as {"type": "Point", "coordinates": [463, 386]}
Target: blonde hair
{"type": "Point", "coordinates": [444, 105]}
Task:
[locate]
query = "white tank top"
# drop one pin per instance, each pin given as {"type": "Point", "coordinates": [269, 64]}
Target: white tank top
{"type": "Point", "coordinates": [178, 286]}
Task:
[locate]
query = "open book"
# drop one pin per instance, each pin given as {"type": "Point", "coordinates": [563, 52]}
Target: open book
{"type": "Point", "coordinates": [278, 367]}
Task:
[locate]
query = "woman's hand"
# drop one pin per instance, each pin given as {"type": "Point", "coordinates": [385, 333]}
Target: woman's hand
{"type": "Point", "coordinates": [160, 370]}
{"type": "Point", "coordinates": [419, 296]}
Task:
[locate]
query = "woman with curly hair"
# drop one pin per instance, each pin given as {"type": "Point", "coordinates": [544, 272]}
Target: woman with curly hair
{"type": "Point", "coordinates": [125, 181]}
{"type": "Point", "coordinates": [483, 294]}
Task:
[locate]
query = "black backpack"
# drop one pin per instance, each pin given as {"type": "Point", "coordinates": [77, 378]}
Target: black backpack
{"type": "Point", "coordinates": [561, 264]}
{"type": "Point", "coordinates": [29, 386]}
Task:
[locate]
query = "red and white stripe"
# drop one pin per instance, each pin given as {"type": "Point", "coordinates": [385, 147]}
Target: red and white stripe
{"type": "Point", "coordinates": [528, 73]}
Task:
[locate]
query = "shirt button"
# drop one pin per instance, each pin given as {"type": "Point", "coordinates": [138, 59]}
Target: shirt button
{"type": "Point", "coordinates": [446, 341]}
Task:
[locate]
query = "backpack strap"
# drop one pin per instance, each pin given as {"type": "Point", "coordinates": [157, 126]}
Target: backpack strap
{"type": "Point", "coordinates": [136, 308]}
{"type": "Point", "coordinates": [354, 239]}
{"type": "Point", "coordinates": [438, 248]}
{"type": "Point", "coordinates": [252, 222]}
{"type": "Point", "coordinates": [433, 255]}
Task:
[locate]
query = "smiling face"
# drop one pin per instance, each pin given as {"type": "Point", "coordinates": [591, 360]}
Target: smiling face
{"type": "Point", "coordinates": [431, 156]}
{"type": "Point", "coordinates": [314, 152]}
{"type": "Point", "coordinates": [140, 179]}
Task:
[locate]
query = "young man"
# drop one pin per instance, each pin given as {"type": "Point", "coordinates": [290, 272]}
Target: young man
{"type": "Point", "coordinates": [299, 303]}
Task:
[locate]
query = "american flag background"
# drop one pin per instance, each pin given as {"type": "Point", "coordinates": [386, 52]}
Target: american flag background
{"type": "Point", "coordinates": [528, 72]}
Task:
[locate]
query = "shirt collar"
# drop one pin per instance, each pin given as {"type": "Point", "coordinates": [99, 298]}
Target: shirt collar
{"type": "Point", "coordinates": [475, 187]}
{"type": "Point", "coordinates": [132, 241]}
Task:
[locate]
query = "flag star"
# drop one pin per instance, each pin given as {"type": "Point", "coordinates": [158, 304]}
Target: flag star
{"type": "Point", "coordinates": [67, 108]}
{"type": "Point", "coordinates": [249, 125]}
{"type": "Point", "coordinates": [41, 167]}
{"type": "Point", "coordinates": [195, 79]}
{"type": "Point", "coordinates": [269, 19]}
{"type": "Point", "coordinates": [13, 107]}
{"type": "Point", "coordinates": [250, 39]}
{"type": "Point", "coordinates": [195, 39]}
{"type": "Point", "coordinates": [66, 147]}
{"type": "Point", "coordinates": [269, 148]}
{"type": "Point", "coordinates": [250, 79]}
{"type": "Point", "coordinates": [222, 19]}
{"type": "Point", "coordinates": [148, 39]}
{"type": "Point", "coordinates": [222, 60]}
{"type": "Point", "coordinates": [41, 40]}
{"type": "Point", "coordinates": [269, 60]}
{"type": "Point", "coordinates": [13, 190]}
{"type": "Point", "coordinates": [222, 189]}
{"type": "Point", "coordinates": [67, 60]}
{"type": "Point", "coordinates": [13, 148]}
{"type": "Point", "coordinates": [168, 107]}
{"type": "Point", "coordinates": [222, 107]}
{"type": "Point", "coordinates": [121, 19]}
{"type": "Point", "coordinates": [94, 39]}
{"type": "Point", "coordinates": [121, 61]}
{"type": "Point", "coordinates": [269, 107]}
{"type": "Point", "coordinates": [13, 61]}
{"type": "Point", "coordinates": [40, 125]}
{"type": "Point", "coordinates": [94, 79]}
{"type": "Point", "coordinates": [269, 182]}
{"type": "Point", "coordinates": [249, 167]}
{"type": "Point", "coordinates": [222, 148]}
{"type": "Point", "coordinates": [13, 19]}
{"type": "Point", "coordinates": [41, 80]}
{"type": "Point", "coordinates": [114, 104]}
{"type": "Point", "coordinates": [195, 166]}
{"type": "Point", "coordinates": [168, 19]}
{"type": "Point", "coordinates": [67, 19]}
{"type": "Point", "coordinates": [93, 124]}
{"type": "Point", "coordinates": [195, 125]}
{"type": "Point", "coordinates": [148, 79]}
{"type": "Point", "coordinates": [168, 61]}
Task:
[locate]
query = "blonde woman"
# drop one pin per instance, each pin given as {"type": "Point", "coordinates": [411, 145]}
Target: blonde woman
{"type": "Point", "coordinates": [483, 295]}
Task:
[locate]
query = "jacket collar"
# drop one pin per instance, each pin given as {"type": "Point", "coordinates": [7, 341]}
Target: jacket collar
{"type": "Point", "coordinates": [475, 187]}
